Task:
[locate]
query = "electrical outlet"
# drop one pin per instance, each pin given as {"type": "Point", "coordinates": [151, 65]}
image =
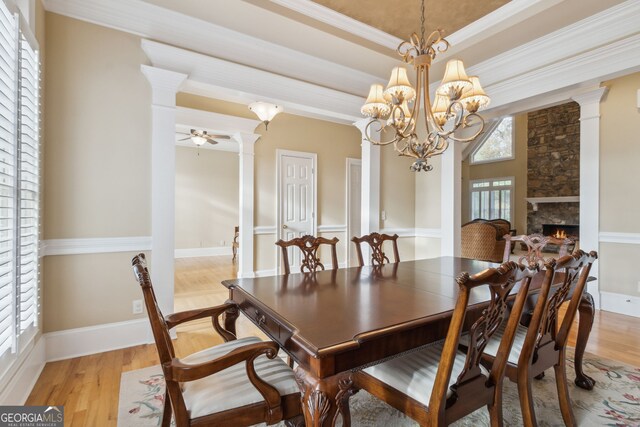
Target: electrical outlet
{"type": "Point", "coordinates": [137, 306]}
{"type": "Point", "coordinates": [383, 215]}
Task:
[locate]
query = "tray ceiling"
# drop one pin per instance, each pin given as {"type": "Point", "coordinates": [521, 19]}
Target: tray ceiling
{"type": "Point", "coordinates": [391, 15]}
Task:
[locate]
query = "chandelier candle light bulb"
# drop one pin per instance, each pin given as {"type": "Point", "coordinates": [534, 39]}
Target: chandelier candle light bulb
{"type": "Point", "coordinates": [456, 104]}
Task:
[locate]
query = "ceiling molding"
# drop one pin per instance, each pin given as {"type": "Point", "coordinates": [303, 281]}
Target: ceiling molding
{"type": "Point", "coordinates": [494, 22]}
{"type": "Point", "coordinates": [233, 82]}
{"type": "Point", "coordinates": [167, 26]}
{"type": "Point", "coordinates": [618, 58]}
{"type": "Point", "coordinates": [597, 30]}
{"type": "Point", "coordinates": [343, 22]}
{"type": "Point", "coordinates": [214, 124]}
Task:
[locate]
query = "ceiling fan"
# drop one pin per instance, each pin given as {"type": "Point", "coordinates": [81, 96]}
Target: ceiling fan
{"type": "Point", "coordinates": [199, 137]}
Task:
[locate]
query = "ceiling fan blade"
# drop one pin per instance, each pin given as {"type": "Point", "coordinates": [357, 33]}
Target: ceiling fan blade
{"type": "Point", "coordinates": [184, 139]}
{"type": "Point", "coordinates": [218, 136]}
{"type": "Point", "coordinates": [212, 141]}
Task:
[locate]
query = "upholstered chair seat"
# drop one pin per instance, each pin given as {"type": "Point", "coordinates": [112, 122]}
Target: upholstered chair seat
{"type": "Point", "coordinates": [414, 373]}
{"type": "Point", "coordinates": [493, 344]}
{"type": "Point", "coordinates": [231, 388]}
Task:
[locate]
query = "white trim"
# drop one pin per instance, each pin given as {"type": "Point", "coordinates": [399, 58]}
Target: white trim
{"type": "Point", "coordinates": [431, 233]}
{"type": "Point", "coordinates": [94, 245]}
{"type": "Point", "coordinates": [178, 29]}
{"type": "Point", "coordinates": [615, 237]}
{"type": "Point", "coordinates": [342, 22]}
{"type": "Point", "coordinates": [17, 389]}
{"type": "Point", "coordinates": [97, 339]}
{"type": "Point", "coordinates": [537, 200]}
{"type": "Point", "coordinates": [264, 229]}
{"type": "Point", "coordinates": [200, 252]}
{"type": "Point", "coordinates": [401, 232]}
{"type": "Point", "coordinates": [266, 273]}
{"type": "Point", "coordinates": [490, 188]}
{"type": "Point", "coordinates": [332, 229]}
{"type": "Point", "coordinates": [620, 303]}
{"type": "Point", "coordinates": [233, 82]}
{"type": "Point", "coordinates": [350, 161]}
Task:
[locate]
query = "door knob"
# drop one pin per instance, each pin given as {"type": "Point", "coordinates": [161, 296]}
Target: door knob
{"type": "Point", "coordinates": [284, 226]}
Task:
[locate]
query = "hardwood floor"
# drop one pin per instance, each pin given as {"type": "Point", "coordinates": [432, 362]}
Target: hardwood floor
{"type": "Point", "coordinates": [88, 387]}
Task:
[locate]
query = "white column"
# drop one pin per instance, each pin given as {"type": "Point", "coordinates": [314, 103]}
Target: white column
{"type": "Point", "coordinates": [370, 205]}
{"type": "Point", "coordinates": [450, 199]}
{"type": "Point", "coordinates": [246, 141]}
{"type": "Point", "coordinates": [164, 85]}
{"type": "Point", "coordinates": [590, 178]}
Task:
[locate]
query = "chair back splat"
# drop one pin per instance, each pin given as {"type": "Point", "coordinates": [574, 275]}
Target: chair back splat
{"type": "Point", "coordinates": [454, 384]}
{"type": "Point", "coordinates": [375, 242]}
{"type": "Point", "coordinates": [308, 245]}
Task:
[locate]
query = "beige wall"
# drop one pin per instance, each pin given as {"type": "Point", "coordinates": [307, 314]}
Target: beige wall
{"type": "Point", "coordinates": [332, 142]}
{"type": "Point", "coordinates": [619, 193]}
{"type": "Point", "coordinates": [97, 172]}
{"type": "Point", "coordinates": [516, 168]}
{"type": "Point", "coordinates": [206, 197]}
{"type": "Point", "coordinates": [428, 209]}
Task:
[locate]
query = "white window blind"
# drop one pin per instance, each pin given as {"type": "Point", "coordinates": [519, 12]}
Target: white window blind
{"type": "Point", "coordinates": [8, 152]}
{"type": "Point", "coordinates": [28, 173]}
{"type": "Point", "coordinates": [19, 182]}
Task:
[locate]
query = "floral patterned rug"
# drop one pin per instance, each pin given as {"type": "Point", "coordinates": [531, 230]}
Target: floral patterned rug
{"type": "Point", "coordinates": [615, 401]}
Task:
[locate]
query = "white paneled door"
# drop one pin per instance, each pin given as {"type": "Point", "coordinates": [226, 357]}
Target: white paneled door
{"type": "Point", "coordinates": [297, 198]}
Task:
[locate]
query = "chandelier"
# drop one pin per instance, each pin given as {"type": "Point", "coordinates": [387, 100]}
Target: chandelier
{"type": "Point", "coordinates": [455, 106]}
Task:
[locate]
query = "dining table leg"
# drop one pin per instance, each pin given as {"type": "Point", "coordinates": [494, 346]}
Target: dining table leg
{"type": "Point", "coordinates": [586, 311]}
{"type": "Point", "coordinates": [325, 400]}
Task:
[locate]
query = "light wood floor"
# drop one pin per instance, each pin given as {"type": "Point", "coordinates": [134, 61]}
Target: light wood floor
{"type": "Point", "coordinates": [88, 387]}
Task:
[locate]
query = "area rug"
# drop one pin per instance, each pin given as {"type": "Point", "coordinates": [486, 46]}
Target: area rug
{"type": "Point", "coordinates": [615, 401]}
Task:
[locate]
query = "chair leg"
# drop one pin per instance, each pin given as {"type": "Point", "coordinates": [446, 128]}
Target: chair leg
{"type": "Point", "coordinates": [526, 399]}
{"type": "Point", "coordinates": [166, 413]}
{"type": "Point", "coordinates": [495, 410]}
{"type": "Point", "coordinates": [563, 392]}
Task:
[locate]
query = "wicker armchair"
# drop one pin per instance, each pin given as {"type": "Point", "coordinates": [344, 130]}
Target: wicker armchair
{"type": "Point", "coordinates": [483, 240]}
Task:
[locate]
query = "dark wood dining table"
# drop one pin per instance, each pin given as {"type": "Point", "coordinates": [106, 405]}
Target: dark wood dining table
{"type": "Point", "coordinates": [332, 322]}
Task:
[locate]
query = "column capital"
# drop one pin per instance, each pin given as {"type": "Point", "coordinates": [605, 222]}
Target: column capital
{"type": "Point", "coordinates": [164, 84]}
{"type": "Point", "coordinates": [246, 139]}
{"type": "Point", "coordinates": [590, 102]}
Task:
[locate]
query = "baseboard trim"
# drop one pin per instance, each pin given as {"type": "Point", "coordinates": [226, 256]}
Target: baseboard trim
{"type": "Point", "coordinates": [200, 252]}
{"type": "Point", "coordinates": [96, 339]}
{"type": "Point", "coordinates": [265, 273]}
{"type": "Point", "coordinates": [19, 387]}
{"type": "Point", "coordinates": [620, 303]}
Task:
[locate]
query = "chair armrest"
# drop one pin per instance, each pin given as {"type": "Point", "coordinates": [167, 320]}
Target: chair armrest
{"type": "Point", "coordinates": [213, 312]}
{"type": "Point", "coordinates": [184, 372]}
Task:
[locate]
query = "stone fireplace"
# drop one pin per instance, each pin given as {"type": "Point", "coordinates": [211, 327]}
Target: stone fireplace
{"type": "Point", "coordinates": [553, 169]}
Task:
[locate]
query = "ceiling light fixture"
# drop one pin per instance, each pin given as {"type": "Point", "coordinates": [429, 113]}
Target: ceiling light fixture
{"type": "Point", "coordinates": [455, 106]}
{"type": "Point", "coordinates": [265, 111]}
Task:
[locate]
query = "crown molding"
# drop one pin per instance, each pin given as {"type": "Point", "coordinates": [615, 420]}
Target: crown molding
{"type": "Point", "coordinates": [601, 29]}
{"type": "Point", "coordinates": [609, 61]}
{"type": "Point", "coordinates": [233, 82]}
{"type": "Point", "coordinates": [343, 22]}
{"type": "Point", "coordinates": [167, 26]}
{"type": "Point", "coordinates": [494, 22]}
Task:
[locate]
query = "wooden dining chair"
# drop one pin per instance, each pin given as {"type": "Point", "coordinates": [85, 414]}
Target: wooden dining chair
{"type": "Point", "coordinates": [309, 246]}
{"type": "Point", "coordinates": [439, 384]}
{"type": "Point", "coordinates": [375, 242]}
{"type": "Point", "coordinates": [235, 244]}
{"type": "Point", "coordinates": [535, 244]}
{"type": "Point", "coordinates": [238, 383]}
{"type": "Point", "coordinates": [542, 345]}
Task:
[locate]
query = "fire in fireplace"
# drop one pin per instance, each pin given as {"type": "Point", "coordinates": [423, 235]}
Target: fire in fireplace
{"type": "Point", "coordinates": [561, 231]}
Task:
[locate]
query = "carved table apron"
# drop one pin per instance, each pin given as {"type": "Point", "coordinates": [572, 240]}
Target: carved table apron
{"type": "Point", "coordinates": [332, 322]}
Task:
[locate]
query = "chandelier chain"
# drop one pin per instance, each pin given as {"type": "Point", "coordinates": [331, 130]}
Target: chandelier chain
{"type": "Point", "coordinates": [422, 21]}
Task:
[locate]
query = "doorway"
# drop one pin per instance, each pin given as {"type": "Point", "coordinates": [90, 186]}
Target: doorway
{"type": "Point", "coordinates": [354, 199]}
{"type": "Point", "coordinates": [296, 195]}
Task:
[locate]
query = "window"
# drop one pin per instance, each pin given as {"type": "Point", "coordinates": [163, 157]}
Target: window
{"type": "Point", "coordinates": [19, 183]}
{"type": "Point", "coordinates": [492, 198]}
{"type": "Point", "coordinates": [498, 145]}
